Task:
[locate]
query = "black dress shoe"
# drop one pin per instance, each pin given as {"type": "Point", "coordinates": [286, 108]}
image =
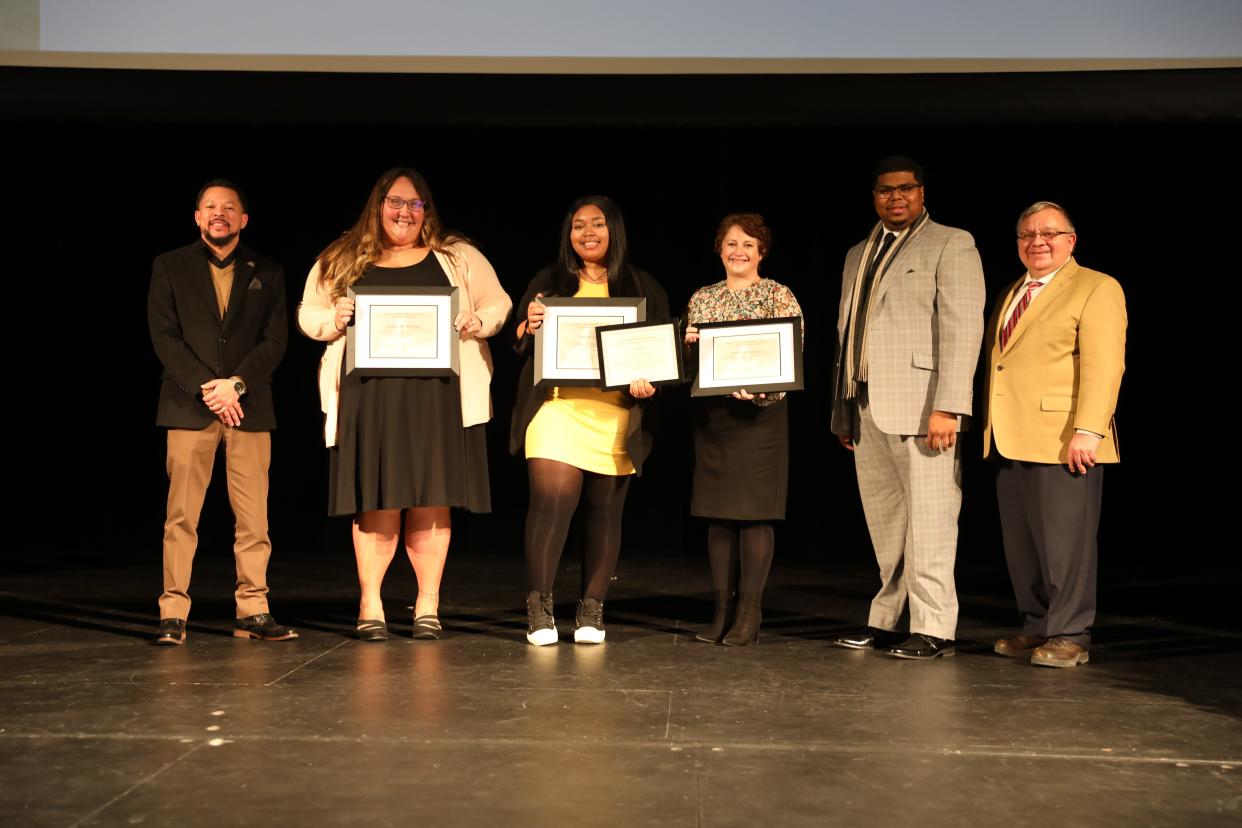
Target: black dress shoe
{"type": "Point", "coordinates": [920, 646]}
{"type": "Point", "coordinates": [868, 638]}
{"type": "Point", "coordinates": [172, 631]}
{"type": "Point", "coordinates": [263, 627]}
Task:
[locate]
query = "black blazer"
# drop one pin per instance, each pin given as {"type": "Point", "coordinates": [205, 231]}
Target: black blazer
{"type": "Point", "coordinates": [638, 438]}
{"type": "Point", "coordinates": [196, 346]}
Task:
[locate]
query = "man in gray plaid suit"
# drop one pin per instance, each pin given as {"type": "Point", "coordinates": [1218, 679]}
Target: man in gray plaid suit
{"type": "Point", "coordinates": [908, 335]}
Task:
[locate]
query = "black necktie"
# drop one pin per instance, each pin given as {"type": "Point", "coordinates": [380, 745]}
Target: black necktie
{"type": "Point", "coordinates": [879, 254]}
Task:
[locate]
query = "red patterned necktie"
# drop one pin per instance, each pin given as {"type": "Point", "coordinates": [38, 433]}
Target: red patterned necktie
{"type": "Point", "coordinates": [1031, 287]}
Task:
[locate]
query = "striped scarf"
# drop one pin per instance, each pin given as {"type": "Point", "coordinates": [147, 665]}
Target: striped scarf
{"type": "Point", "coordinates": [848, 361]}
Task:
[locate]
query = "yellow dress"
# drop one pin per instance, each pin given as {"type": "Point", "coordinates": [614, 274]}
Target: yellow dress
{"type": "Point", "coordinates": [584, 427]}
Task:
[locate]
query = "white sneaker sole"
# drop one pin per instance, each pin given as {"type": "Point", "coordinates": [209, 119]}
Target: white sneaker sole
{"type": "Point", "coordinates": [589, 635]}
{"type": "Point", "coordinates": [542, 638]}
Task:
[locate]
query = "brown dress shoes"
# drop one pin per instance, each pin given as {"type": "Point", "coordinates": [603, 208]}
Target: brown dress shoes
{"type": "Point", "coordinates": [1060, 652]}
{"type": "Point", "coordinates": [1020, 646]}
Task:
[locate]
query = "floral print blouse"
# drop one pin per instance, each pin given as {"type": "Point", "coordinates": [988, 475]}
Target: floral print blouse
{"type": "Point", "coordinates": [765, 299]}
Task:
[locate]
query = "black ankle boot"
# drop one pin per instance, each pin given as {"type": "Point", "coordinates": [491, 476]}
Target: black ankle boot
{"type": "Point", "coordinates": [726, 606]}
{"type": "Point", "coordinates": [745, 629]}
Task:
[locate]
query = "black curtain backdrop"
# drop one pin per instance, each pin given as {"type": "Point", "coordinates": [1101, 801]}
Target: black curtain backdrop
{"type": "Point", "coordinates": [103, 166]}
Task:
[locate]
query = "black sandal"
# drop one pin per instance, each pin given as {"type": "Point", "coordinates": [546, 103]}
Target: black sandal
{"type": "Point", "coordinates": [427, 627]}
{"type": "Point", "coordinates": [372, 630]}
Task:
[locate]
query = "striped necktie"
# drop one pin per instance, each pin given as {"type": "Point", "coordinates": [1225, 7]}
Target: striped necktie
{"type": "Point", "coordinates": [1023, 303]}
{"type": "Point", "coordinates": [864, 301]}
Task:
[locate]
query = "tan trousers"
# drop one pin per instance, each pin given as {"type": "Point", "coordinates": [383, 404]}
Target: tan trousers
{"type": "Point", "coordinates": [911, 496]}
{"type": "Point", "coordinates": [191, 455]}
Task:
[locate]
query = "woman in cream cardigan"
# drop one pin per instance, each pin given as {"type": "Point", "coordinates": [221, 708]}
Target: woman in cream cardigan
{"type": "Point", "coordinates": [403, 444]}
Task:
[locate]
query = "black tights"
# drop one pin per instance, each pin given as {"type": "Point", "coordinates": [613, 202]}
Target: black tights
{"type": "Point", "coordinates": [734, 545]}
{"type": "Point", "coordinates": [555, 490]}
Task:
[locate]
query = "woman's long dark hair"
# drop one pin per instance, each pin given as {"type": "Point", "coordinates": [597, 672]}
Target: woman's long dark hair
{"type": "Point", "coordinates": [621, 278]}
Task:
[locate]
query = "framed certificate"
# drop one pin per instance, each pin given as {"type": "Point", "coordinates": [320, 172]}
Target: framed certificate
{"type": "Point", "coordinates": [760, 355]}
{"type": "Point", "coordinates": [643, 350]}
{"type": "Point", "coordinates": [565, 344]}
{"type": "Point", "coordinates": [402, 331]}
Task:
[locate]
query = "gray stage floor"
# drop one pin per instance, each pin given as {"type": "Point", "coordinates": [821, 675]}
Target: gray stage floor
{"type": "Point", "coordinates": [650, 728]}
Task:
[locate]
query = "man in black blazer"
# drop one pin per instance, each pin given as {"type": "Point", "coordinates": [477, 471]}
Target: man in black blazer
{"type": "Point", "coordinates": [218, 322]}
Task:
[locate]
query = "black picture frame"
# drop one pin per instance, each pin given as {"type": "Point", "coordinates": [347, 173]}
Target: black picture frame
{"type": "Point", "coordinates": [673, 327]}
{"type": "Point", "coordinates": [788, 374]}
{"type": "Point", "coordinates": [362, 350]}
{"type": "Point", "coordinates": [566, 364]}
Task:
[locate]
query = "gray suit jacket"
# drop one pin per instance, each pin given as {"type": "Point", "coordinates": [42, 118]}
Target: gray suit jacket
{"type": "Point", "coordinates": [923, 335]}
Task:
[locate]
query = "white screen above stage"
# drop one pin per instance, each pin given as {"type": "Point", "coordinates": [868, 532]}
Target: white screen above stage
{"type": "Point", "coordinates": [642, 30]}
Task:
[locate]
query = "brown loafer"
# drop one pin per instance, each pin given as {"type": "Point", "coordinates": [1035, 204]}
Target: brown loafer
{"type": "Point", "coordinates": [1020, 646]}
{"type": "Point", "coordinates": [1060, 652]}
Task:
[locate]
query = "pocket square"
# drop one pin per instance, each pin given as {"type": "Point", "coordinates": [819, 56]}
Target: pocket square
{"type": "Point", "coordinates": [255, 284]}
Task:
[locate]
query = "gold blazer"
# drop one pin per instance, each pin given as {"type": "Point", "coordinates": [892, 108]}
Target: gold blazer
{"type": "Point", "coordinates": [1060, 370]}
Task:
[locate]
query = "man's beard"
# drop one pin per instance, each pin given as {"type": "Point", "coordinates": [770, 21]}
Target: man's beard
{"type": "Point", "coordinates": [220, 241]}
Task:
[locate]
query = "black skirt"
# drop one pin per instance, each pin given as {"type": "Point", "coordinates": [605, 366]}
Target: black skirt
{"type": "Point", "coordinates": [741, 459]}
{"type": "Point", "coordinates": [400, 440]}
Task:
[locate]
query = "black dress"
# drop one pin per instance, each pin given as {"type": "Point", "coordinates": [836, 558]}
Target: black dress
{"type": "Point", "coordinates": [400, 440]}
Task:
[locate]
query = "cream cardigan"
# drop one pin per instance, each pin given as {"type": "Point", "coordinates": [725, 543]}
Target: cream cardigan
{"type": "Point", "coordinates": [481, 292]}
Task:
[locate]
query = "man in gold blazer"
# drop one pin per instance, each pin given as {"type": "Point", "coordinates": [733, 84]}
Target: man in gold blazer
{"type": "Point", "coordinates": [908, 333]}
{"type": "Point", "coordinates": [1057, 352]}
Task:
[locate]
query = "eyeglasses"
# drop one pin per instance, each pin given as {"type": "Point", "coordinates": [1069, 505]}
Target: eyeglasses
{"type": "Point", "coordinates": [885, 193]}
{"type": "Point", "coordinates": [1047, 235]}
{"type": "Point", "coordinates": [416, 205]}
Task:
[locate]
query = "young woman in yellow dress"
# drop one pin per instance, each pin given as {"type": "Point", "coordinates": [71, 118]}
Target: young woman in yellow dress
{"type": "Point", "coordinates": [582, 444]}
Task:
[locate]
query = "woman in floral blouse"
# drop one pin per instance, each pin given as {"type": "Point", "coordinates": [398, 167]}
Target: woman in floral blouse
{"type": "Point", "coordinates": [741, 443]}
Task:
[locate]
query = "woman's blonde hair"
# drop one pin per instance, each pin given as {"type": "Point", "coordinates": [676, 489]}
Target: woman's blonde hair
{"type": "Point", "coordinates": [343, 262]}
